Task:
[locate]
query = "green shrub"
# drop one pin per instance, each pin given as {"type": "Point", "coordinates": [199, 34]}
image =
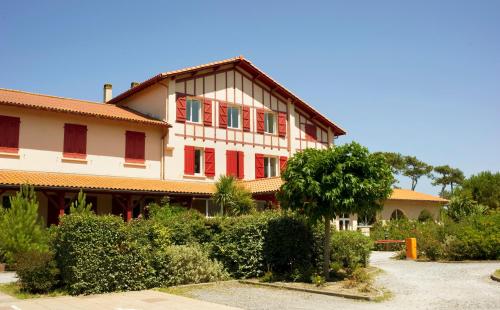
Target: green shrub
{"type": "Point", "coordinates": [21, 228]}
{"type": "Point", "coordinates": [351, 249]}
{"type": "Point", "coordinates": [318, 280]}
{"type": "Point", "coordinates": [240, 245]}
{"type": "Point", "coordinates": [288, 247]}
{"type": "Point", "coordinates": [186, 264]}
{"type": "Point", "coordinates": [476, 237]}
{"type": "Point", "coordinates": [185, 226]}
{"type": "Point", "coordinates": [463, 206]}
{"type": "Point", "coordinates": [392, 230]}
{"type": "Point", "coordinates": [37, 271]}
{"type": "Point", "coordinates": [430, 236]}
{"type": "Point", "coordinates": [96, 254]}
{"type": "Point", "coordinates": [425, 216]}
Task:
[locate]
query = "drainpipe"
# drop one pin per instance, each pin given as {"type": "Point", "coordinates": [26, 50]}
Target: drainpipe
{"type": "Point", "coordinates": [162, 154]}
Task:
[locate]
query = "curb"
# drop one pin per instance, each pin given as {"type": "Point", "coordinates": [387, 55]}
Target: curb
{"type": "Point", "coordinates": [494, 277]}
{"type": "Point", "coordinates": [314, 291]}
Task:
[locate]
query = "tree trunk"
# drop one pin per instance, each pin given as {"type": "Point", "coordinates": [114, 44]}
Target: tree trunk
{"type": "Point", "coordinates": [413, 184]}
{"type": "Point", "coordinates": [326, 249]}
{"type": "Point", "coordinates": [451, 184]}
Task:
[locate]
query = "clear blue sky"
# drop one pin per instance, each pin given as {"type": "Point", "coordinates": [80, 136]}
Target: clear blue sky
{"type": "Point", "coordinates": [420, 78]}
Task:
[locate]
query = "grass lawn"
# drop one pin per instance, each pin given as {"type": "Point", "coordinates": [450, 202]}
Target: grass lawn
{"type": "Point", "coordinates": [13, 289]}
{"type": "Point", "coordinates": [497, 273]}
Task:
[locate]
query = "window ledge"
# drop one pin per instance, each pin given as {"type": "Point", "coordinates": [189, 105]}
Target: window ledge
{"type": "Point", "coordinates": [197, 177]}
{"type": "Point", "coordinates": [10, 155]}
{"type": "Point", "coordinates": [134, 165]}
{"type": "Point", "coordinates": [74, 160]}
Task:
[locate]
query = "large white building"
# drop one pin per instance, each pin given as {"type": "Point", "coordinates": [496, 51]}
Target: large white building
{"type": "Point", "coordinates": [172, 134]}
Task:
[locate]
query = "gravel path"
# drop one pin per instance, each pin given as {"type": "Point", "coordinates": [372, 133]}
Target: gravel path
{"type": "Point", "coordinates": [415, 285]}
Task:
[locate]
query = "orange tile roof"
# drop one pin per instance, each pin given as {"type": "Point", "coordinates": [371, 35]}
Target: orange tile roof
{"type": "Point", "coordinates": [245, 64]}
{"type": "Point", "coordinates": [67, 105]}
{"type": "Point", "coordinates": [93, 182]}
{"type": "Point", "coordinates": [263, 186]}
{"type": "Point", "coordinates": [407, 194]}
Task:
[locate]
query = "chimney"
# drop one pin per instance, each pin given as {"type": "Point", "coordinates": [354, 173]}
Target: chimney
{"type": "Point", "coordinates": [107, 93]}
{"type": "Point", "coordinates": [134, 84]}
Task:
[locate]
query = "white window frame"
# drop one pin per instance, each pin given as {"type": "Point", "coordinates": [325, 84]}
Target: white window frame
{"type": "Point", "coordinates": [202, 161]}
{"type": "Point", "coordinates": [344, 221]}
{"type": "Point", "coordinates": [267, 168]}
{"type": "Point", "coordinates": [266, 122]}
{"type": "Point", "coordinates": [230, 117]}
{"type": "Point", "coordinates": [189, 112]}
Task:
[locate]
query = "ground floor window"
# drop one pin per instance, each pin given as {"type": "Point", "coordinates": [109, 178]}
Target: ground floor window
{"type": "Point", "coordinates": [270, 167]}
{"type": "Point", "coordinates": [397, 215]}
{"type": "Point", "coordinates": [344, 221]}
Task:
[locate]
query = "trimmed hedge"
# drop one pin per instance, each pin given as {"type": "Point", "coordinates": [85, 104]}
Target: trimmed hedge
{"type": "Point", "coordinates": [288, 247]}
{"type": "Point", "coordinates": [37, 271]}
{"type": "Point", "coordinates": [96, 255]}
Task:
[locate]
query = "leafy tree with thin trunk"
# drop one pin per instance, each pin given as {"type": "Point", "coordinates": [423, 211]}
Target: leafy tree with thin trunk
{"type": "Point", "coordinates": [396, 162]}
{"type": "Point", "coordinates": [415, 169]}
{"type": "Point", "coordinates": [484, 188]}
{"type": "Point", "coordinates": [442, 178]}
{"type": "Point", "coordinates": [322, 184]}
{"type": "Point", "coordinates": [456, 178]}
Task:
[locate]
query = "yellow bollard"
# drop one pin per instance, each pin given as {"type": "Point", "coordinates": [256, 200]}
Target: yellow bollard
{"type": "Point", "coordinates": [411, 248]}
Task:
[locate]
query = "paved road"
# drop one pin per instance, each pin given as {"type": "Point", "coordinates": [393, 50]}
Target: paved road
{"type": "Point", "coordinates": [150, 300]}
{"type": "Point", "coordinates": [415, 285]}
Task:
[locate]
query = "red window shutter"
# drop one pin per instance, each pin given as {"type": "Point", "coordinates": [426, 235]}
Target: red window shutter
{"type": "Point", "coordinates": [260, 120]}
{"type": "Point", "coordinates": [310, 131]}
{"type": "Point", "coordinates": [259, 166]}
{"type": "Point", "coordinates": [9, 139]}
{"type": "Point", "coordinates": [181, 108]}
{"type": "Point", "coordinates": [207, 112]}
{"type": "Point", "coordinates": [241, 165]}
{"type": "Point", "coordinates": [232, 163]}
{"type": "Point", "coordinates": [209, 162]}
{"type": "Point", "coordinates": [135, 147]}
{"type": "Point", "coordinates": [222, 115]}
{"type": "Point", "coordinates": [188, 160]}
{"type": "Point", "coordinates": [283, 160]}
{"type": "Point", "coordinates": [246, 118]}
{"type": "Point", "coordinates": [75, 141]}
{"type": "Point", "coordinates": [282, 124]}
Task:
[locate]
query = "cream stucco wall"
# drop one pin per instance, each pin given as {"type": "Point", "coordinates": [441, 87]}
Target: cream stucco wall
{"type": "Point", "coordinates": [42, 137]}
{"type": "Point", "coordinates": [411, 209]}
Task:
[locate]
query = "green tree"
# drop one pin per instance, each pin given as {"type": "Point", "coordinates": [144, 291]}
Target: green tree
{"type": "Point", "coordinates": [442, 178]}
{"type": "Point", "coordinates": [80, 206]}
{"type": "Point", "coordinates": [322, 184]}
{"type": "Point", "coordinates": [456, 178]}
{"type": "Point", "coordinates": [396, 162]}
{"type": "Point", "coordinates": [21, 228]}
{"type": "Point", "coordinates": [415, 169]}
{"type": "Point", "coordinates": [484, 188]}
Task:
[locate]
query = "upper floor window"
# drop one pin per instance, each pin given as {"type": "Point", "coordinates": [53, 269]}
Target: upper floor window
{"type": "Point", "coordinates": [135, 147]}
{"type": "Point", "coordinates": [75, 141]}
{"type": "Point", "coordinates": [270, 167]}
{"type": "Point", "coordinates": [199, 161]}
{"type": "Point", "coordinates": [269, 122]}
{"type": "Point", "coordinates": [233, 117]}
{"type": "Point", "coordinates": [9, 137]}
{"type": "Point", "coordinates": [311, 132]}
{"type": "Point", "coordinates": [193, 107]}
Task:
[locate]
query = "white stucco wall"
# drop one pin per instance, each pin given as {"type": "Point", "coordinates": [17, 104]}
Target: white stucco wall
{"type": "Point", "coordinates": [41, 140]}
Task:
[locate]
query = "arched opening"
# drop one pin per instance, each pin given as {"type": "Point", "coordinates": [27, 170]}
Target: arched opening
{"type": "Point", "coordinates": [398, 215]}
